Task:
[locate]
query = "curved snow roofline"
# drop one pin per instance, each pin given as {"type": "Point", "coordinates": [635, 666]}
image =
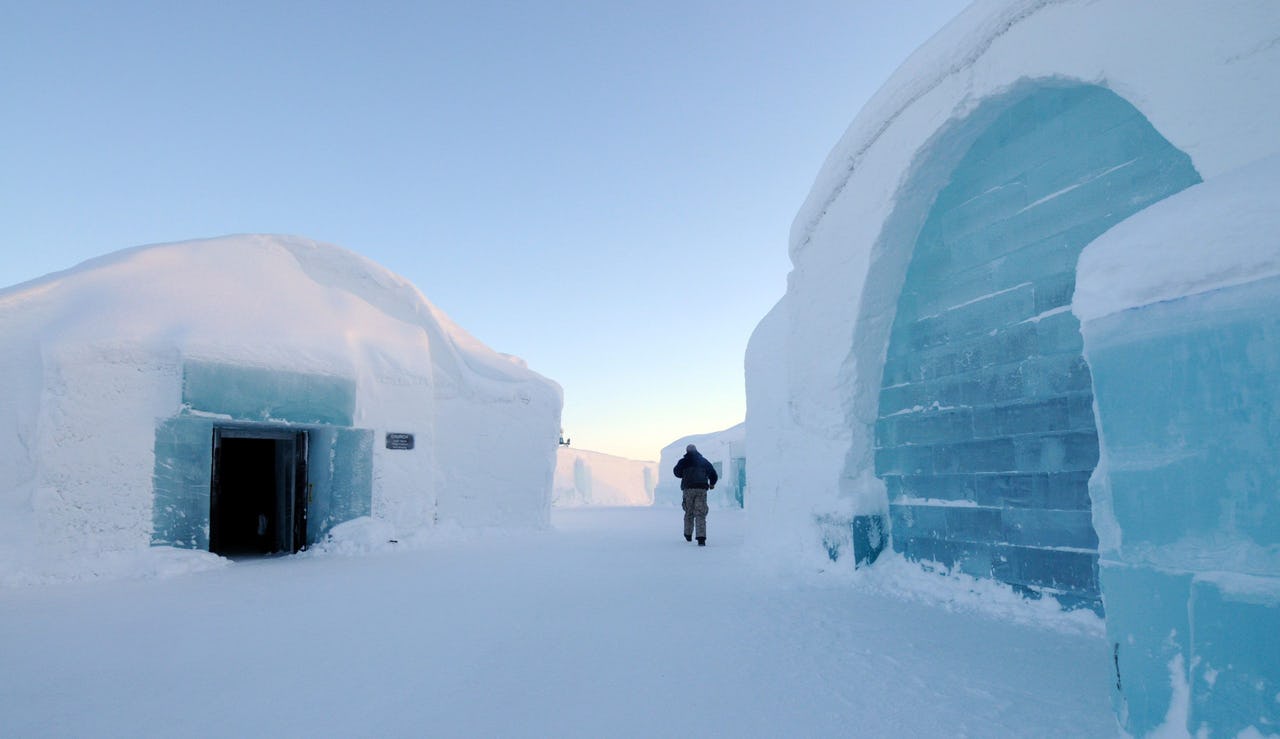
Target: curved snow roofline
{"type": "Point", "coordinates": [328, 266]}
{"type": "Point", "coordinates": [914, 79]}
{"type": "Point", "coordinates": [123, 255]}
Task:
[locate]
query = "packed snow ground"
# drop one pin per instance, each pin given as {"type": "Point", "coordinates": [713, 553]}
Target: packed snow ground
{"type": "Point", "coordinates": [608, 625]}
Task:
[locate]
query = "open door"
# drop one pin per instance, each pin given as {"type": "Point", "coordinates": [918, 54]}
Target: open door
{"type": "Point", "coordinates": [301, 492]}
{"type": "Point", "coordinates": [258, 496]}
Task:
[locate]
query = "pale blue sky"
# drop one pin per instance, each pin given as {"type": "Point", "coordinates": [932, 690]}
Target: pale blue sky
{"type": "Point", "coordinates": [603, 188]}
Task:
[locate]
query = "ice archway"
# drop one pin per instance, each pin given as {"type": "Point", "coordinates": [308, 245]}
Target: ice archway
{"type": "Point", "coordinates": [984, 429]}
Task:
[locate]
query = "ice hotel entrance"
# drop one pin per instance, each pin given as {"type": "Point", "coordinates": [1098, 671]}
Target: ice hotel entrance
{"type": "Point", "coordinates": [985, 437]}
{"type": "Point", "coordinates": [259, 461]}
{"type": "Point", "coordinates": [307, 379]}
{"type": "Point", "coordinates": [258, 495]}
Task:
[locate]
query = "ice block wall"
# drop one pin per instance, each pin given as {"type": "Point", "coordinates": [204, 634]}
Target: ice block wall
{"type": "Point", "coordinates": [986, 436]}
{"type": "Point", "coordinates": [1188, 502]}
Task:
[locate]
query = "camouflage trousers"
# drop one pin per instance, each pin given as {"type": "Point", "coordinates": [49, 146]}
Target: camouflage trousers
{"type": "Point", "coordinates": [695, 512]}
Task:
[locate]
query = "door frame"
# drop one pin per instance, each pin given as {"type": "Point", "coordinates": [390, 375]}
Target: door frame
{"type": "Point", "coordinates": [292, 488]}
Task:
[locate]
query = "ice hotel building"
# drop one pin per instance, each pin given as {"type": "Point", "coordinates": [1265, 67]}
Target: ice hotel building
{"type": "Point", "coordinates": [1032, 334]}
{"type": "Point", "coordinates": [245, 395]}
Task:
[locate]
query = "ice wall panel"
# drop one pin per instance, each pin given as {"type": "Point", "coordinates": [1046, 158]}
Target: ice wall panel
{"type": "Point", "coordinates": [1189, 409]}
{"type": "Point", "coordinates": [986, 399]}
{"type": "Point", "coordinates": [258, 394]}
{"type": "Point", "coordinates": [1192, 418]}
{"type": "Point", "coordinates": [1150, 627]}
{"type": "Point", "coordinates": [340, 471]}
{"type": "Point", "coordinates": [184, 464]}
{"type": "Point", "coordinates": [1235, 654]}
{"type": "Point", "coordinates": [739, 480]}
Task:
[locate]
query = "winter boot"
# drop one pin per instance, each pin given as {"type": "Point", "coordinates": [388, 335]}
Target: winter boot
{"type": "Point", "coordinates": [702, 541]}
{"type": "Point", "coordinates": [688, 537]}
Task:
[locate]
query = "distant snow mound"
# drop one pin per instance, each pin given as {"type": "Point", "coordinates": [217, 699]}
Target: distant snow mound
{"type": "Point", "coordinates": [586, 478]}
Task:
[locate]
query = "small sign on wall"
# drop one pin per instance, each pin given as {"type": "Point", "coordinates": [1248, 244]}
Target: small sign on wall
{"type": "Point", "coordinates": [399, 441]}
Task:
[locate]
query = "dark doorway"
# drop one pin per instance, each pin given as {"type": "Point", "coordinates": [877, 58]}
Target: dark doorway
{"type": "Point", "coordinates": [258, 501]}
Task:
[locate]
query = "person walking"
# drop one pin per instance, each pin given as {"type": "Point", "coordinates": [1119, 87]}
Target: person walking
{"type": "Point", "coordinates": [697, 476]}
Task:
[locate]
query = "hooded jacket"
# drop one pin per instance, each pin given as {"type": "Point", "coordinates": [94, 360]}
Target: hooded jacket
{"type": "Point", "coordinates": [695, 472]}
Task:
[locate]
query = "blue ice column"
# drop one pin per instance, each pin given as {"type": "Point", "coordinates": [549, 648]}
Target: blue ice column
{"type": "Point", "coordinates": [340, 471]}
{"type": "Point", "coordinates": [740, 480]}
{"type": "Point", "coordinates": [986, 437]}
{"type": "Point", "coordinates": [1188, 398]}
{"type": "Point", "coordinates": [181, 482]}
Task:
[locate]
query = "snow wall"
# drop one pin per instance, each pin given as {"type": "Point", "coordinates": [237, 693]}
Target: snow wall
{"type": "Point", "coordinates": [723, 449]}
{"type": "Point", "coordinates": [936, 396]}
{"type": "Point", "coordinates": [586, 478]}
{"type": "Point", "coordinates": [185, 394]}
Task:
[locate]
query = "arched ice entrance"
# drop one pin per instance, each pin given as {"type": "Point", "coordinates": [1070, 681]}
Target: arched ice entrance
{"type": "Point", "coordinates": [985, 435]}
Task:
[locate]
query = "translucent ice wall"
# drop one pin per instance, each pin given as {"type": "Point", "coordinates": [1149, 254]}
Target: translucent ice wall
{"type": "Point", "coordinates": [986, 436]}
{"type": "Point", "coordinates": [1181, 310]}
{"type": "Point", "coordinates": [215, 394]}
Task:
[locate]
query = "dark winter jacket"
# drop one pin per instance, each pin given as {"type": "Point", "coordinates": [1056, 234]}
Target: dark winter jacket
{"type": "Point", "coordinates": [695, 472]}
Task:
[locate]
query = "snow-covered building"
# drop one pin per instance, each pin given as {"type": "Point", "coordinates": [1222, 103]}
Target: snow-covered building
{"type": "Point", "coordinates": [1031, 335]}
{"type": "Point", "coordinates": [587, 478]}
{"type": "Point", "coordinates": [724, 450]}
{"type": "Point", "coordinates": [247, 394]}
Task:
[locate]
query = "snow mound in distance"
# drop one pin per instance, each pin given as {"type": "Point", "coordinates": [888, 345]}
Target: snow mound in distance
{"type": "Point", "coordinates": [586, 478]}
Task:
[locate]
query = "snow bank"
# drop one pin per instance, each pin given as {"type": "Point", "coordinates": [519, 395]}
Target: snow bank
{"type": "Point", "coordinates": [134, 564]}
{"type": "Point", "coordinates": [585, 478]}
{"type": "Point", "coordinates": [114, 367]}
{"type": "Point", "coordinates": [959, 593]}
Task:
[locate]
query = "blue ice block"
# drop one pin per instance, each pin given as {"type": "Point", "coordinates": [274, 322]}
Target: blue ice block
{"type": "Point", "coordinates": [1189, 409]}
{"type": "Point", "coordinates": [260, 394]}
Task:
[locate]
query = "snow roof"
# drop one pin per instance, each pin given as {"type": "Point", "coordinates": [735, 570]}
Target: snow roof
{"type": "Point", "coordinates": [256, 299]}
{"type": "Point", "coordinates": [1209, 92]}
